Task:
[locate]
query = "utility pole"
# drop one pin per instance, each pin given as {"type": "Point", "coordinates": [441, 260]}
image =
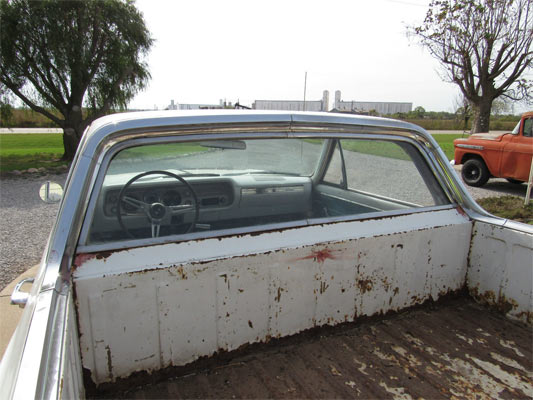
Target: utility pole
{"type": "Point", "coordinates": [305, 87]}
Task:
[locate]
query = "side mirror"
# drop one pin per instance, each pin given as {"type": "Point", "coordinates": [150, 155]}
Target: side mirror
{"type": "Point", "coordinates": [51, 192]}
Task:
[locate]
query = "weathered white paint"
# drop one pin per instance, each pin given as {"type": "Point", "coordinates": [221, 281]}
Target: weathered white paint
{"type": "Point", "coordinates": [176, 312]}
{"type": "Point", "coordinates": [239, 245]}
{"type": "Point", "coordinates": [72, 379]}
{"type": "Point", "coordinates": [501, 269]}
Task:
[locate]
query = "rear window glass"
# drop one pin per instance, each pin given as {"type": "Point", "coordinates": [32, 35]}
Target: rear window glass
{"type": "Point", "coordinates": [225, 186]}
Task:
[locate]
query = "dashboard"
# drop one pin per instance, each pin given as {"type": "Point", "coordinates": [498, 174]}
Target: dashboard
{"type": "Point", "coordinates": [223, 202]}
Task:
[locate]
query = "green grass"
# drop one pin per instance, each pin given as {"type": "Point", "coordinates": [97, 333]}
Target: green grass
{"type": "Point", "coordinates": [27, 144]}
{"type": "Point", "coordinates": [445, 142]}
{"type": "Point", "coordinates": [382, 149]}
{"type": "Point", "coordinates": [161, 150]}
{"type": "Point", "coordinates": [510, 207]}
{"type": "Point", "coordinates": [23, 151]}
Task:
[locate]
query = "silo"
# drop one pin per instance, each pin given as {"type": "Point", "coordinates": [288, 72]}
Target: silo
{"type": "Point", "coordinates": [338, 99]}
{"type": "Point", "coordinates": [325, 101]}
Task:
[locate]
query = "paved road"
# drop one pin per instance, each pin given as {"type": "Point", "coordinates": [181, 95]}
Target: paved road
{"type": "Point", "coordinates": [30, 130]}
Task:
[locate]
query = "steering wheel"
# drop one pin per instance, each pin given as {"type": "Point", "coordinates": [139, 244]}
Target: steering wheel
{"type": "Point", "coordinates": [158, 213]}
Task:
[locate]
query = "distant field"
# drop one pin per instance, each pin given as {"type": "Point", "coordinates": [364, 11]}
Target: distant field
{"type": "Point", "coordinates": [19, 152]}
{"type": "Point", "coordinates": [445, 141]}
{"type": "Point", "coordinates": [23, 151]}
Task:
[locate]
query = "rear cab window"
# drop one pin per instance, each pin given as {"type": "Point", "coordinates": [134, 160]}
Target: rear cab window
{"type": "Point", "coordinates": [174, 191]}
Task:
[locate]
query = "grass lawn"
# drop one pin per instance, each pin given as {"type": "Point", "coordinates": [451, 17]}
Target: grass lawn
{"type": "Point", "coordinates": [510, 207]}
{"type": "Point", "coordinates": [161, 150]}
{"type": "Point", "coordinates": [445, 142]}
{"type": "Point", "coordinates": [23, 151]}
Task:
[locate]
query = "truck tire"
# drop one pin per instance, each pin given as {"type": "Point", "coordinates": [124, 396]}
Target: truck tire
{"type": "Point", "coordinates": [475, 172]}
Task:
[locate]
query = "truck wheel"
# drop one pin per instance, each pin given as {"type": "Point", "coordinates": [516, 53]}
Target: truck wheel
{"type": "Point", "coordinates": [475, 172]}
{"type": "Point", "coordinates": [511, 180]}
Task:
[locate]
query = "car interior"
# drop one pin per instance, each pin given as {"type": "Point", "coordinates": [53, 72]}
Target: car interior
{"type": "Point", "coordinates": [228, 186]}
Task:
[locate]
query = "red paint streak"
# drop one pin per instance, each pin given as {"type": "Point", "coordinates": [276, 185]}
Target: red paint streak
{"type": "Point", "coordinates": [82, 258]}
{"type": "Point", "coordinates": [319, 255]}
{"type": "Point", "coordinates": [461, 211]}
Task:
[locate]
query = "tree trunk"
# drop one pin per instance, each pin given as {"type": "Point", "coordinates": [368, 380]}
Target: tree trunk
{"type": "Point", "coordinates": [72, 131]}
{"type": "Point", "coordinates": [481, 117]}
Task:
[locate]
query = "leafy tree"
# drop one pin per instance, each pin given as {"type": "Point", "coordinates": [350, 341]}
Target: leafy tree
{"type": "Point", "coordinates": [419, 112]}
{"type": "Point", "coordinates": [67, 55]}
{"type": "Point", "coordinates": [6, 110]}
{"type": "Point", "coordinates": [484, 47]}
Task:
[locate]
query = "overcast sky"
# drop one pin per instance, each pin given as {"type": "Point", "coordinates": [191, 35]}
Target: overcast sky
{"type": "Point", "coordinates": [260, 50]}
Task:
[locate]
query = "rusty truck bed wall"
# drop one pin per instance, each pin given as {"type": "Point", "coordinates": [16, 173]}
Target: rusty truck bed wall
{"type": "Point", "coordinates": [501, 270]}
{"type": "Point", "coordinates": [145, 309]}
{"type": "Point", "coordinates": [453, 350]}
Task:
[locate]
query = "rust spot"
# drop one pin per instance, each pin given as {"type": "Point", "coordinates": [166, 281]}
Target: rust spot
{"type": "Point", "coordinates": [82, 258]}
{"type": "Point", "coordinates": [396, 291]}
{"type": "Point", "coordinates": [278, 297]}
{"type": "Point", "coordinates": [250, 324]}
{"type": "Point", "coordinates": [241, 290]}
{"type": "Point", "coordinates": [181, 272]}
{"type": "Point", "coordinates": [461, 211]}
{"type": "Point", "coordinates": [365, 285]}
{"type": "Point", "coordinates": [109, 362]}
{"type": "Point", "coordinates": [226, 280]}
{"type": "Point", "coordinates": [319, 255]}
{"type": "Point", "coordinates": [323, 287]}
{"type": "Point", "coordinates": [103, 255]}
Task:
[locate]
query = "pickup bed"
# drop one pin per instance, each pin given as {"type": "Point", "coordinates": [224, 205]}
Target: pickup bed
{"type": "Point", "coordinates": [451, 349]}
{"type": "Point", "coordinates": [243, 254]}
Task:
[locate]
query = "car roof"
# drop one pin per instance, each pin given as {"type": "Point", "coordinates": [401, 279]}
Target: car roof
{"type": "Point", "coordinates": [166, 120]}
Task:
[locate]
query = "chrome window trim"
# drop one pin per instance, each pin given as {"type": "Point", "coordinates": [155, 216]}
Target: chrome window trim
{"type": "Point", "coordinates": [139, 139]}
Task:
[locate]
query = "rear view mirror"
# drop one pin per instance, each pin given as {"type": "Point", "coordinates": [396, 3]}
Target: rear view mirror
{"type": "Point", "coordinates": [51, 192]}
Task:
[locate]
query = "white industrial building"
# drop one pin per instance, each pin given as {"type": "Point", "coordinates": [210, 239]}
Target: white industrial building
{"type": "Point", "coordinates": [179, 106]}
{"type": "Point", "coordinates": [294, 105]}
{"type": "Point", "coordinates": [382, 108]}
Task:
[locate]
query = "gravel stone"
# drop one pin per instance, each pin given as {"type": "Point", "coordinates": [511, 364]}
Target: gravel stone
{"type": "Point", "coordinates": [25, 223]}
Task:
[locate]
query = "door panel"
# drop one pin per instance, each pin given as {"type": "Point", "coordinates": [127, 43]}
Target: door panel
{"type": "Point", "coordinates": [516, 157]}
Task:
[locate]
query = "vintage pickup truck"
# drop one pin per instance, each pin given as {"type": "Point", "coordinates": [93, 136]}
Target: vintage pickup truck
{"type": "Point", "coordinates": [507, 155]}
{"type": "Point", "coordinates": [247, 254]}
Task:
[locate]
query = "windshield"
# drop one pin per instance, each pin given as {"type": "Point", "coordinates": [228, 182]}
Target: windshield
{"type": "Point", "coordinates": [516, 129]}
{"type": "Point", "coordinates": [274, 156]}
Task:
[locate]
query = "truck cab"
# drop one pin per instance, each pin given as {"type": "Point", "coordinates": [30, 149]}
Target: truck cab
{"type": "Point", "coordinates": [507, 155]}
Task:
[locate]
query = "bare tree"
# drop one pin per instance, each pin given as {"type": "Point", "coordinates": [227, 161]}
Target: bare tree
{"type": "Point", "coordinates": [462, 110]}
{"type": "Point", "coordinates": [484, 47]}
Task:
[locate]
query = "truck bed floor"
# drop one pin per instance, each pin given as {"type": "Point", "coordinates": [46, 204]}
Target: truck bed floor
{"type": "Point", "coordinates": [453, 349]}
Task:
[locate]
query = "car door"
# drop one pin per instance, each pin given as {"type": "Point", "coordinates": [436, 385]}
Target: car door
{"type": "Point", "coordinates": [518, 152]}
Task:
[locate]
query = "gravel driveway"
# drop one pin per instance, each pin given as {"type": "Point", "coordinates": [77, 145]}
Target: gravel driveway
{"type": "Point", "coordinates": [26, 221]}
